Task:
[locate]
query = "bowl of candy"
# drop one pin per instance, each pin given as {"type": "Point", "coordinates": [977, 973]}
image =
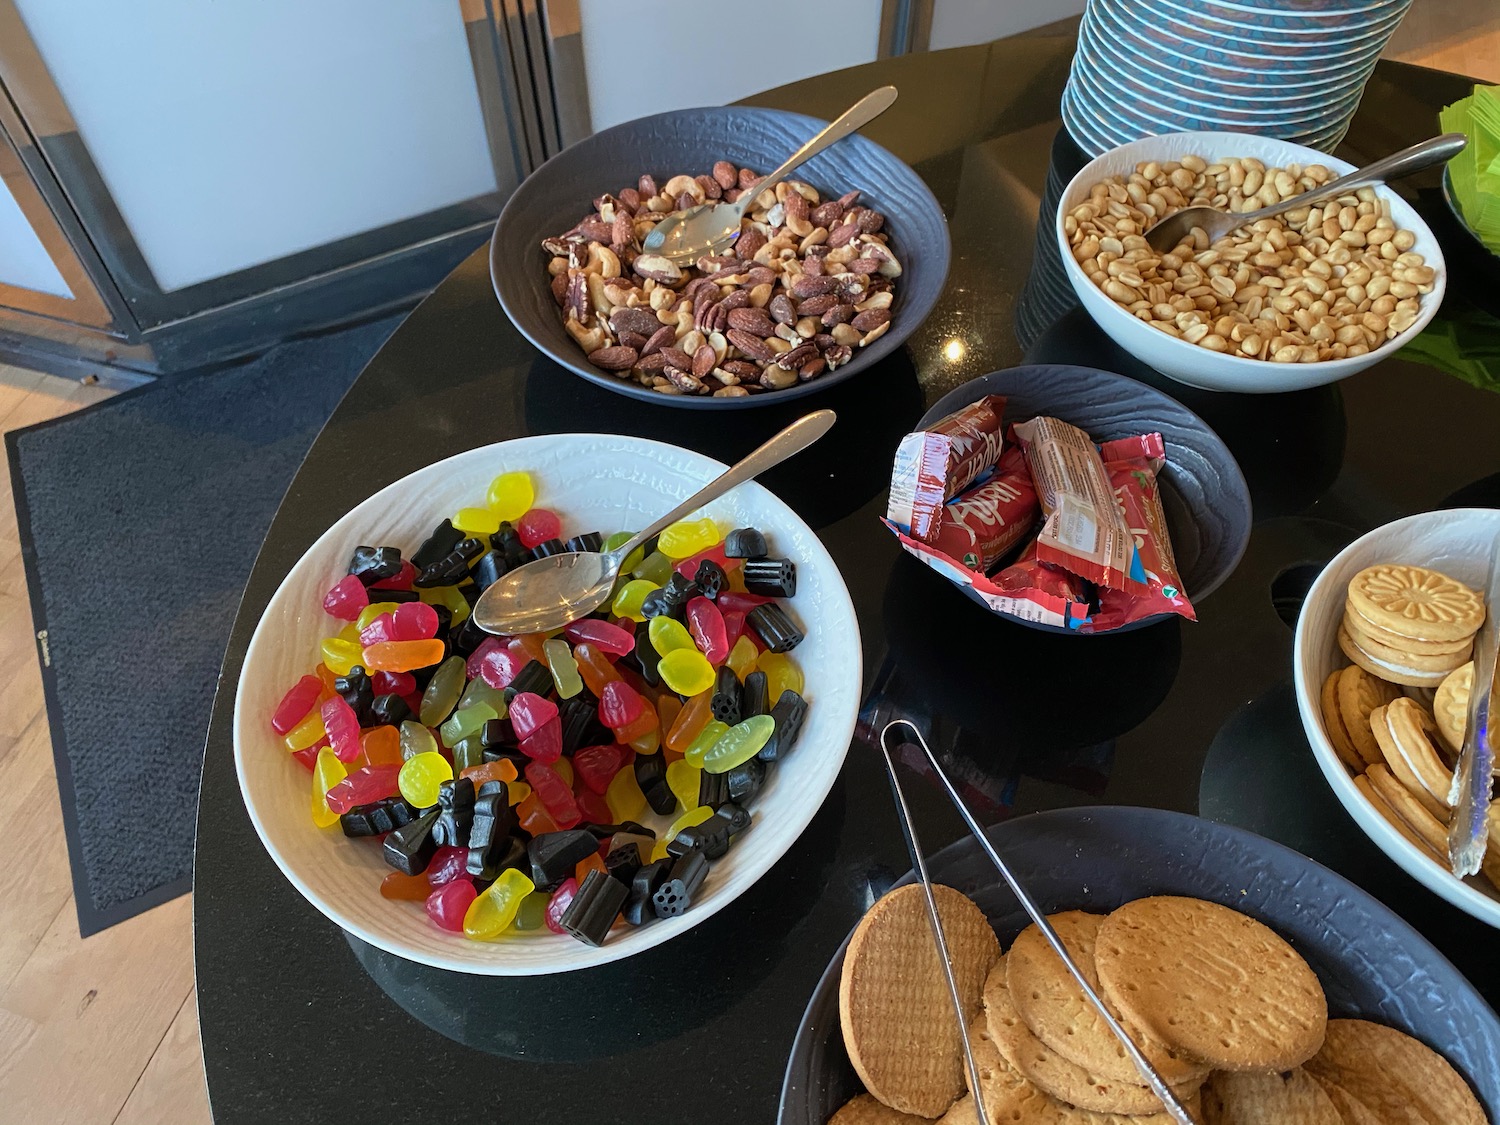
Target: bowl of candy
{"type": "Point", "coordinates": [536, 804]}
{"type": "Point", "coordinates": [1305, 298]}
{"type": "Point", "coordinates": [1070, 500]}
{"type": "Point", "coordinates": [831, 272]}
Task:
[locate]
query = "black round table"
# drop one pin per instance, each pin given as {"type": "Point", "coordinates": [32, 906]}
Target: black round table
{"type": "Point", "coordinates": [302, 1023]}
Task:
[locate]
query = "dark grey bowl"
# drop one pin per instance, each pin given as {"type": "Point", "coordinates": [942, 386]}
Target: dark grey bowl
{"type": "Point", "coordinates": [1204, 494]}
{"type": "Point", "coordinates": [558, 194]}
{"type": "Point", "coordinates": [1372, 964]}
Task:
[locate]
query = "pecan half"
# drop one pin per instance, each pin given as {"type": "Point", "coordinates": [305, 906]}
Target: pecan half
{"type": "Point", "coordinates": [683, 380]}
{"type": "Point", "coordinates": [836, 355]}
{"type": "Point", "coordinates": [578, 303]}
{"type": "Point", "coordinates": [792, 360]}
{"type": "Point", "coordinates": [617, 358]}
{"type": "Point", "coordinates": [753, 346]}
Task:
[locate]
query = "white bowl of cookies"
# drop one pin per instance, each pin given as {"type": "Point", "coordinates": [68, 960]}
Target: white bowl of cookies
{"type": "Point", "coordinates": [1306, 298]}
{"type": "Point", "coordinates": [1383, 669]}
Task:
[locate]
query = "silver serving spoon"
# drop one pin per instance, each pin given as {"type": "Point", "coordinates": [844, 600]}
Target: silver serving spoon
{"type": "Point", "coordinates": [1169, 233]}
{"type": "Point", "coordinates": [548, 593]}
{"type": "Point", "coordinates": [685, 236]}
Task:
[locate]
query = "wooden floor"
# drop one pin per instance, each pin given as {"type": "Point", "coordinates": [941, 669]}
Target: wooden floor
{"type": "Point", "coordinates": [106, 1030]}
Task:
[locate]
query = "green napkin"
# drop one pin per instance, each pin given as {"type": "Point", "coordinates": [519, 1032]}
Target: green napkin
{"type": "Point", "coordinates": [1475, 172]}
{"type": "Point", "coordinates": [1463, 341]}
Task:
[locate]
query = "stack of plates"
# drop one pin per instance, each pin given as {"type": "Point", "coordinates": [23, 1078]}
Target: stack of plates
{"type": "Point", "coordinates": [1048, 294]}
{"type": "Point", "coordinates": [1293, 69]}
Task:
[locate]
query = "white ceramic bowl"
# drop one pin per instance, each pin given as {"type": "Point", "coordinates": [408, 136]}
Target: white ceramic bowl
{"type": "Point", "coordinates": [1456, 542]}
{"type": "Point", "coordinates": [1199, 367]}
{"type": "Point", "coordinates": [594, 482]}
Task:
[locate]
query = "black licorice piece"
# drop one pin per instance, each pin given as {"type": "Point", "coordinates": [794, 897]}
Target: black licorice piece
{"type": "Point", "coordinates": [645, 657]}
{"type": "Point", "coordinates": [711, 579]}
{"type": "Point", "coordinates": [713, 789]}
{"type": "Point", "coordinates": [453, 567]}
{"type": "Point", "coordinates": [549, 547]}
{"type": "Point", "coordinates": [470, 592]}
{"type": "Point", "coordinates": [388, 710]}
{"type": "Point", "coordinates": [714, 835]}
{"type": "Point", "coordinates": [464, 637]}
{"type": "Point", "coordinates": [676, 893]}
{"type": "Point", "coordinates": [771, 578]}
{"type": "Point", "coordinates": [594, 908]}
{"type": "Point", "coordinates": [755, 695]}
{"type": "Point", "coordinates": [508, 542]}
{"type": "Point", "coordinates": [655, 604]}
{"type": "Point", "coordinates": [774, 627]}
{"type": "Point", "coordinates": [651, 776]}
{"type": "Point", "coordinates": [488, 569]}
{"type": "Point", "coordinates": [580, 723]}
{"type": "Point", "coordinates": [647, 882]}
{"type": "Point", "coordinates": [377, 817]}
{"type": "Point", "coordinates": [588, 541]}
{"type": "Point", "coordinates": [455, 813]}
{"type": "Point", "coordinates": [486, 863]}
{"type": "Point", "coordinates": [356, 690]}
{"type": "Point", "coordinates": [623, 861]}
{"type": "Point", "coordinates": [409, 848]}
{"type": "Point", "coordinates": [679, 591]}
{"type": "Point", "coordinates": [494, 818]}
{"type": "Point", "coordinates": [533, 677]}
{"type": "Point", "coordinates": [400, 597]}
{"type": "Point", "coordinates": [745, 543]}
{"type": "Point", "coordinates": [789, 712]}
{"type": "Point", "coordinates": [508, 754]}
{"type": "Point", "coordinates": [725, 702]}
{"type": "Point", "coordinates": [745, 780]}
{"type": "Point", "coordinates": [605, 831]}
{"type": "Point", "coordinates": [553, 855]}
{"type": "Point", "coordinates": [496, 732]}
{"type": "Point", "coordinates": [443, 539]}
{"type": "Point", "coordinates": [375, 564]}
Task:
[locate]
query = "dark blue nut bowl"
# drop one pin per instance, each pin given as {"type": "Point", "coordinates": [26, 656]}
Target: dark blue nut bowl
{"type": "Point", "coordinates": [559, 193]}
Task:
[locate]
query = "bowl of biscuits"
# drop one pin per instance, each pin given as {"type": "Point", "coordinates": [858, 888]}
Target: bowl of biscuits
{"type": "Point", "coordinates": [1384, 668]}
{"type": "Point", "coordinates": [1262, 987]}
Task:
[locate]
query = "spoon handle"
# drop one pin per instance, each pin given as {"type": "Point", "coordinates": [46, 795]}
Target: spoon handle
{"type": "Point", "coordinates": [858, 115]}
{"type": "Point", "coordinates": [1419, 156]}
{"type": "Point", "coordinates": [794, 439]}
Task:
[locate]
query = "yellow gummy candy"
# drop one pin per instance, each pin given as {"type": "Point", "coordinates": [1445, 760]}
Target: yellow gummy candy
{"type": "Point", "coordinates": [684, 781]}
{"type": "Point", "coordinates": [742, 657]}
{"type": "Point", "coordinates": [689, 819]}
{"type": "Point", "coordinates": [668, 634]}
{"type": "Point", "coordinates": [328, 771]}
{"type": "Point", "coordinates": [370, 613]}
{"type": "Point", "coordinates": [624, 797]}
{"type": "Point", "coordinates": [511, 496]}
{"type": "Point", "coordinates": [457, 604]}
{"type": "Point", "coordinates": [782, 674]}
{"type": "Point", "coordinates": [687, 537]}
{"type": "Point", "coordinates": [421, 777]}
{"type": "Point", "coordinates": [686, 671]}
{"type": "Point", "coordinates": [341, 655]}
{"type": "Point", "coordinates": [628, 599]}
{"type": "Point", "coordinates": [493, 911]}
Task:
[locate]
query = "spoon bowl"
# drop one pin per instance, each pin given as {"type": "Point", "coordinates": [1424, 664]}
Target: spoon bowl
{"type": "Point", "coordinates": [546, 594]}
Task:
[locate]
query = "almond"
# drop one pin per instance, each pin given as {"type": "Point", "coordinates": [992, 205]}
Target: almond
{"type": "Point", "coordinates": [753, 346]}
{"type": "Point", "coordinates": [617, 358]}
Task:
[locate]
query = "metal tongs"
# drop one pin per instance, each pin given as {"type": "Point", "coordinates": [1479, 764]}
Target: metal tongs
{"type": "Point", "coordinates": [1148, 1073]}
{"type": "Point", "coordinates": [1468, 831]}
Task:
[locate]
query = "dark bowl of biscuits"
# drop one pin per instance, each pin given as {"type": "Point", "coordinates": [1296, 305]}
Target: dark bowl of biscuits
{"type": "Point", "coordinates": [832, 270]}
{"type": "Point", "coordinates": [1261, 986]}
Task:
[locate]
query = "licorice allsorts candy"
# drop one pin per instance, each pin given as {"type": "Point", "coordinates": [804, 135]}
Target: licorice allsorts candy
{"type": "Point", "coordinates": [443, 539]}
{"type": "Point", "coordinates": [645, 884]}
{"type": "Point", "coordinates": [711, 579]}
{"type": "Point", "coordinates": [651, 776]}
{"type": "Point", "coordinates": [789, 712]}
{"type": "Point", "coordinates": [388, 710]}
{"type": "Point", "coordinates": [676, 893]}
{"type": "Point", "coordinates": [629, 827]}
{"type": "Point", "coordinates": [595, 907]}
{"type": "Point", "coordinates": [646, 658]}
{"type": "Point", "coordinates": [725, 701]}
{"type": "Point", "coordinates": [507, 540]}
{"type": "Point", "coordinates": [375, 564]}
{"type": "Point", "coordinates": [580, 723]}
{"type": "Point", "coordinates": [771, 578]}
{"type": "Point", "coordinates": [745, 543]}
{"type": "Point", "coordinates": [488, 569]}
{"type": "Point", "coordinates": [745, 780]}
{"type": "Point", "coordinates": [486, 863]}
{"type": "Point", "coordinates": [453, 567]}
{"type": "Point", "coordinates": [713, 791]}
{"type": "Point", "coordinates": [754, 695]}
{"type": "Point", "coordinates": [623, 861]}
{"type": "Point", "coordinates": [774, 627]}
{"type": "Point", "coordinates": [553, 855]}
{"type": "Point", "coordinates": [377, 817]}
{"type": "Point", "coordinates": [549, 547]}
{"type": "Point", "coordinates": [356, 690]}
{"type": "Point", "coordinates": [533, 677]}
{"type": "Point", "coordinates": [713, 836]}
{"type": "Point", "coordinates": [588, 541]}
{"type": "Point", "coordinates": [455, 813]}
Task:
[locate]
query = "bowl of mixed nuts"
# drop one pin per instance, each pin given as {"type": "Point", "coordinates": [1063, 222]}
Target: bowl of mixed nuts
{"type": "Point", "coordinates": [832, 270]}
{"type": "Point", "coordinates": [1308, 297]}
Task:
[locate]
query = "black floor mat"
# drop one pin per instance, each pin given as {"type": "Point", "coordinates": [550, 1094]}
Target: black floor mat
{"type": "Point", "coordinates": [139, 519]}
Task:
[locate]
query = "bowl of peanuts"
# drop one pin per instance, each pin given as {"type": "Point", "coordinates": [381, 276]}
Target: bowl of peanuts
{"type": "Point", "coordinates": [1308, 297]}
{"type": "Point", "coordinates": [832, 270]}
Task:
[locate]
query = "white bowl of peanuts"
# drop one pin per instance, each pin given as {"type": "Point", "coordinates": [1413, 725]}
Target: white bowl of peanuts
{"type": "Point", "coordinates": [1280, 306]}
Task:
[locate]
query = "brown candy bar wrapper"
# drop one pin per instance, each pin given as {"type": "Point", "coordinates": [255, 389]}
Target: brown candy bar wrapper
{"type": "Point", "coordinates": [979, 527]}
{"type": "Point", "coordinates": [1133, 464]}
{"type": "Point", "coordinates": [1084, 530]}
{"type": "Point", "coordinates": [934, 465]}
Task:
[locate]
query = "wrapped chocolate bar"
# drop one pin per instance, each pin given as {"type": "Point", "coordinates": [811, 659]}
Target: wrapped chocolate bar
{"type": "Point", "coordinates": [1133, 464]}
{"type": "Point", "coordinates": [1084, 530]}
{"type": "Point", "coordinates": [935, 465]}
{"type": "Point", "coordinates": [980, 527]}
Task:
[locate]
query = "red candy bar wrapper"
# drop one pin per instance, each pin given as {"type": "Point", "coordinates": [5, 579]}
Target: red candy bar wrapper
{"type": "Point", "coordinates": [1050, 588]}
{"type": "Point", "coordinates": [978, 528]}
{"type": "Point", "coordinates": [1055, 598]}
{"type": "Point", "coordinates": [1084, 530]}
{"type": "Point", "coordinates": [935, 465]}
{"type": "Point", "coordinates": [1132, 464]}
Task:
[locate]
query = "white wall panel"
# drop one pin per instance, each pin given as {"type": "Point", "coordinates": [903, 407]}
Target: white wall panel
{"type": "Point", "coordinates": [24, 261]}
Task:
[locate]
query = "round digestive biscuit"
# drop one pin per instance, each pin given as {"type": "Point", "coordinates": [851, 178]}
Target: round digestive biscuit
{"type": "Point", "coordinates": [1450, 706]}
{"type": "Point", "coordinates": [1057, 1012]}
{"type": "Point", "coordinates": [1384, 669]}
{"type": "Point", "coordinates": [1360, 626]}
{"type": "Point", "coordinates": [1255, 1098]}
{"type": "Point", "coordinates": [1412, 766]}
{"type": "Point", "coordinates": [1212, 982]}
{"type": "Point", "coordinates": [1359, 693]}
{"type": "Point", "coordinates": [1352, 1111]}
{"type": "Point", "coordinates": [1049, 1071]}
{"type": "Point", "coordinates": [962, 1112]}
{"type": "Point", "coordinates": [1333, 724]}
{"type": "Point", "coordinates": [1408, 658]}
{"type": "Point", "coordinates": [862, 1109]}
{"type": "Point", "coordinates": [1413, 601]}
{"type": "Point", "coordinates": [1402, 1081]}
{"type": "Point", "coordinates": [894, 1005]}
